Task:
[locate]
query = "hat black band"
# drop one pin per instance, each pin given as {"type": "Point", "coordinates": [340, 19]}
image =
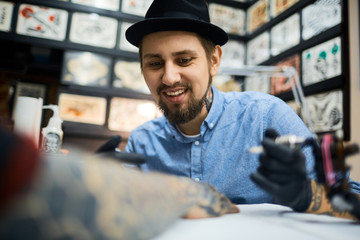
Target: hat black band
{"type": "Point", "coordinates": [176, 14]}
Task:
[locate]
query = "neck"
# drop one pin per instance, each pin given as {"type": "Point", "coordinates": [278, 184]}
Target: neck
{"type": "Point", "coordinates": [193, 127]}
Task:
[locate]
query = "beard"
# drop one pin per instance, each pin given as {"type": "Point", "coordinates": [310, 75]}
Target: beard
{"type": "Point", "coordinates": [178, 115]}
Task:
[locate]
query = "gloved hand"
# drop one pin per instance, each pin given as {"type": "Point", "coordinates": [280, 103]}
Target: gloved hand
{"type": "Point", "coordinates": [282, 173]}
{"type": "Point", "coordinates": [110, 149]}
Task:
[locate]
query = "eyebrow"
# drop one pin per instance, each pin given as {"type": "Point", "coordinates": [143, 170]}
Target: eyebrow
{"type": "Point", "coordinates": [183, 52]}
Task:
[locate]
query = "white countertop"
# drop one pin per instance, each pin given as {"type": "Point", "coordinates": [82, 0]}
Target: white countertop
{"type": "Point", "coordinates": [263, 221]}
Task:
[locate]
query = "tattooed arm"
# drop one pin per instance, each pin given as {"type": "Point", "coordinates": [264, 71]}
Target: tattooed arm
{"type": "Point", "coordinates": [81, 197]}
{"type": "Point", "coordinates": [320, 203]}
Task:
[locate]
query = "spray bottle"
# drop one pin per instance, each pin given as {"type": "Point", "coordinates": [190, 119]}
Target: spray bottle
{"type": "Point", "coordinates": [52, 134]}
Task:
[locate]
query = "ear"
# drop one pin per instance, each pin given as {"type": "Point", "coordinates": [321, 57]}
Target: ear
{"type": "Point", "coordinates": [215, 60]}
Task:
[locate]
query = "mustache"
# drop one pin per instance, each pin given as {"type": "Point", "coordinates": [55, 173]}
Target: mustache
{"type": "Point", "coordinates": [164, 87]}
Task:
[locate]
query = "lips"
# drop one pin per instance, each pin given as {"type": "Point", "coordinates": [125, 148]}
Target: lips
{"type": "Point", "coordinates": [175, 96]}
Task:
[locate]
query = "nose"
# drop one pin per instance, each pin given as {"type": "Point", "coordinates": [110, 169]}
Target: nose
{"type": "Point", "coordinates": [171, 74]}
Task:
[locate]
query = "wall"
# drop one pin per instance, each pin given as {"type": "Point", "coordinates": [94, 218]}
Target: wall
{"type": "Point", "coordinates": [354, 161]}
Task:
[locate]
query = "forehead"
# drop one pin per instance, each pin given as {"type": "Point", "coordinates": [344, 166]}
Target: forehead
{"type": "Point", "coordinates": [172, 41]}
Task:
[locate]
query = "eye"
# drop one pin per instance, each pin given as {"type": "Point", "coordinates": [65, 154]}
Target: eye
{"type": "Point", "coordinates": [184, 61]}
{"type": "Point", "coordinates": [154, 64]}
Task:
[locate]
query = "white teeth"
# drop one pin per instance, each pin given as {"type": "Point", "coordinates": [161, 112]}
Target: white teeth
{"type": "Point", "coordinates": [175, 93]}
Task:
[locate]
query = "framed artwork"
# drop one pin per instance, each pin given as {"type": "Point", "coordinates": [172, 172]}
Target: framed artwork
{"type": "Point", "coordinates": [26, 89]}
{"type": "Point", "coordinates": [230, 19]}
{"type": "Point", "coordinates": [42, 22]}
{"type": "Point", "coordinates": [6, 13]}
{"type": "Point", "coordinates": [135, 7]}
{"type": "Point", "coordinates": [86, 69]}
{"type": "Point", "coordinates": [112, 5]}
{"type": "Point", "coordinates": [127, 74]}
{"type": "Point", "coordinates": [321, 62]}
{"type": "Point", "coordinates": [326, 110]}
{"type": "Point", "coordinates": [258, 49]}
{"type": "Point", "coordinates": [93, 29]}
{"type": "Point", "coordinates": [279, 6]}
{"type": "Point", "coordinates": [320, 16]}
{"type": "Point", "coordinates": [123, 43]}
{"type": "Point", "coordinates": [258, 82]}
{"type": "Point", "coordinates": [285, 34]}
{"type": "Point", "coordinates": [281, 84]}
{"type": "Point", "coordinates": [257, 15]}
{"type": "Point", "coordinates": [126, 114]}
{"type": "Point", "coordinates": [82, 109]}
{"type": "Point", "coordinates": [233, 55]}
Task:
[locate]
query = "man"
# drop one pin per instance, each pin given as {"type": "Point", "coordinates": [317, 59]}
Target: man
{"type": "Point", "coordinates": [206, 134]}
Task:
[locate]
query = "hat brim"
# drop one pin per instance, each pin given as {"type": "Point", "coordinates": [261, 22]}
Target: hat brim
{"type": "Point", "coordinates": [136, 32]}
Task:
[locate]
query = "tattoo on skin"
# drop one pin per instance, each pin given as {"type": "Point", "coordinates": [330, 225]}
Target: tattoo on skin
{"type": "Point", "coordinates": [84, 197]}
{"type": "Point", "coordinates": [320, 204]}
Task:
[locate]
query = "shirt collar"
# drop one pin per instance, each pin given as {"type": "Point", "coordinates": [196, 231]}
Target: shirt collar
{"type": "Point", "coordinates": [209, 123]}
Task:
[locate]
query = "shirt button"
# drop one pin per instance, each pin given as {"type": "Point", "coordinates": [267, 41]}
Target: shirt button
{"type": "Point", "coordinates": [197, 143]}
{"type": "Point", "coordinates": [211, 125]}
{"type": "Point", "coordinates": [197, 179]}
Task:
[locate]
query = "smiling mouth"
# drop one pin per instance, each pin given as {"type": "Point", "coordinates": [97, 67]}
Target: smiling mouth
{"type": "Point", "coordinates": [174, 93]}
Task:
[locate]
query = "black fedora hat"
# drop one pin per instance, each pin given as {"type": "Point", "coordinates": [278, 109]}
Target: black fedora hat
{"type": "Point", "coordinates": [176, 15]}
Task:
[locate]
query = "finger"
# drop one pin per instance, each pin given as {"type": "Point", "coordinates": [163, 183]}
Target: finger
{"type": "Point", "coordinates": [280, 178]}
{"type": "Point", "coordinates": [280, 152]}
{"type": "Point", "coordinates": [271, 133]}
{"type": "Point", "coordinates": [279, 166]}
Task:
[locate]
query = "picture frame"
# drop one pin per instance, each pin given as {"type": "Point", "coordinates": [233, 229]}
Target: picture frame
{"type": "Point", "coordinates": [42, 22]}
{"type": "Point", "coordinates": [112, 5]}
{"type": "Point", "coordinates": [126, 114]}
{"type": "Point", "coordinates": [322, 62]}
{"type": "Point", "coordinates": [82, 108]}
{"type": "Point", "coordinates": [86, 69]}
{"type": "Point", "coordinates": [229, 19]}
{"type": "Point", "coordinates": [135, 7]}
{"type": "Point", "coordinates": [6, 13]}
{"type": "Point", "coordinates": [320, 16]}
{"type": "Point", "coordinates": [127, 74]}
{"type": "Point", "coordinates": [257, 15]}
{"type": "Point", "coordinates": [93, 29]}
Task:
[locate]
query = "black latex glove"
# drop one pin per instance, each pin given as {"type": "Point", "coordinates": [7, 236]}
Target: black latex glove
{"type": "Point", "coordinates": [282, 173]}
{"type": "Point", "coordinates": [109, 149]}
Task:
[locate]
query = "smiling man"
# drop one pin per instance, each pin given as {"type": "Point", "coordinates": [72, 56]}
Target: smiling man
{"type": "Point", "coordinates": [206, 134]}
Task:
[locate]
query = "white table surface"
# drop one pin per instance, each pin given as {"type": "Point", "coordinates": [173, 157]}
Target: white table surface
{"type": "Point", "coordinates": [263, 221]}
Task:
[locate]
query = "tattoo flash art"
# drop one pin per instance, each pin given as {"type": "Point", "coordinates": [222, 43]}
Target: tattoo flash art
{"type": "Point", "coordinates": [123, 43]}
{"type": "Point", "coordinates": [326, 111]}
{"type": "Point", "coordinates": [281, 84]}
{"type": "Point", "coordinates": [233, 55]}
{"type": "Point", "coordinates": [128, 75]}
{"type": "Point", "coordinates": [93, 29]}
{"type": "Point", "coordinates": [82, 109]}
{"type": "Point", "coordinates": [321, 62]}
{"type": "Point", "coordinates": [257, 15]}
{"type": "Point", "coordinates": [112, 5]}
{"type": "Point", "coordinates": [320, 16]}
{"type": "Point", "coordinates": [86, 69]}
{"type": "Point", "coordinates": [279, 6]}
{"type": "Point", "coordinates": [127, 114]}
{"type": "Point", "coordinates": [285, 34]}
{"type": "Point", "coordinates": [42, 22]}
{"type": "Point", "coordinates": [258, 49]}
{"type": "Point", "coordinates": [6, 13]}
{"type": "Point", "coordinates": [135, 7]}
{"type": "Point", "coordinates": [230, 19]}
{"type": "Point", "coordinates": [258, 82]}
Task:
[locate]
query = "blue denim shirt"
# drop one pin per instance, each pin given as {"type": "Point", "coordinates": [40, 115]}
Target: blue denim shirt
{"type": "Point", "coordinates": [219, 155]}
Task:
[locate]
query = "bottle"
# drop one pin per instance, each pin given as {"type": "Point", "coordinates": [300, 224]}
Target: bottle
{"type": "Point", "coordinates": [52, 134]}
